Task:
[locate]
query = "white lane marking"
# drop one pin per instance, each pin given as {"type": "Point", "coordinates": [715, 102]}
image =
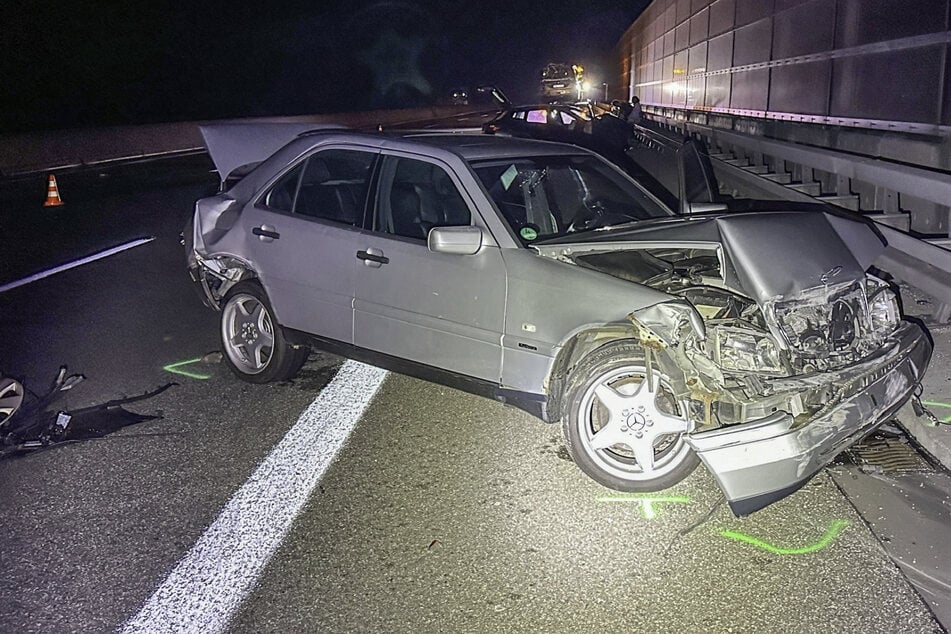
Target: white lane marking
{"type": "Point", "coordinates": [71, 265]}
{"type": "Point", "coordinates": [212, 581]}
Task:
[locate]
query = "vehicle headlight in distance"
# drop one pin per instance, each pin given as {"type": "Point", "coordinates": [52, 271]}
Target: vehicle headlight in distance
{"type": "Point", "coordinates": [741, 349]}
{"type": "Point", "coordinates": [883, 309]}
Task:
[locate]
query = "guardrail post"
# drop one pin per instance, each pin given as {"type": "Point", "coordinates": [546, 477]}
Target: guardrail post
{"type": "Point", "coordinates": [843, 185]}
{"type": "Point", "coordinates": [886, 200]}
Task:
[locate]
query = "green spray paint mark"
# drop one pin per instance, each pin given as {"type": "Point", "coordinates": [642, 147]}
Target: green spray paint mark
{"type": "Point", "coordinates": [647, 502]}
{"type": "Point", "coordinates": [946, 419]}
{"type": "Point", "coordinates": [176, 368]}
{"type": "Point", "coordinates": [834, 529]}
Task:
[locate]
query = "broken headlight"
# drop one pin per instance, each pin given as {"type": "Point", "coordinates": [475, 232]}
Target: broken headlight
{"type": "Point", "coordinates": [746, 350]}
{"type": "Point", "coordinates": [824, 321]}
{"type": "Point", "coordinates": [884, 313]}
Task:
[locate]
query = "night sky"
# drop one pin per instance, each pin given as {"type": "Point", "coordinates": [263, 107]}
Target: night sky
{"type": "Point", "coordinates": [82, 64]}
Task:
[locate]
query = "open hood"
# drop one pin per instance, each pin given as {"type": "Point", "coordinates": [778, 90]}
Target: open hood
{"type": "Point", "coordinates": [233, 145]}
{"type": "Point", "coordinates": [765, 254]}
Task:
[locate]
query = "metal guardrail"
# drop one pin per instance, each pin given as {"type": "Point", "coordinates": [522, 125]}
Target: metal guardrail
{"type": "Point", "coordinates": [921, 183]}
{"type": "Point", "coordinates": [924, 265]}
{"type": "Point", "coordinates": [40, 152]}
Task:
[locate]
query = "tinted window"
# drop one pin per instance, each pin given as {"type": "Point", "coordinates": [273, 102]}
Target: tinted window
{"type": "Point", "coordinates": [546, 197]}
{"type": "Point", "coordinates": [281, 197]}
{"type": "Point", "coordinates": [416, 196]}
{"type": "Point", "coordinates": [334, 186]}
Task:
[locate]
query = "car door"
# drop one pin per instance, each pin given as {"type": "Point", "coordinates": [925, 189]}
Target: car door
{"type": "Point", "coordinates": [303, 233]}
{"type": "Point", "coordinates": [438, 309]}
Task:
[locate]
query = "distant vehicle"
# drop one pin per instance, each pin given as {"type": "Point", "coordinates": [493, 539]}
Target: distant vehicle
{"type": "Point", "coordinates": [459, 97]}
{"type": "Point", "coordinates": [541, 275]}
{"type": "Point", "coordinates": [579, 123]}
{"type": "Point", "coordinates": [562, 82]}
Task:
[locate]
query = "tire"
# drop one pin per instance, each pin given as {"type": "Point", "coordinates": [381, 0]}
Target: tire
{"type": "Point", "coordinates": [614, 426]}
{"type": "Point", "coordinates": [252, 342]}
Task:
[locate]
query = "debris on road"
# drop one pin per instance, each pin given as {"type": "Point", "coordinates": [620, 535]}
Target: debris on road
{"type": "Point", "coordinates": [26, 425]}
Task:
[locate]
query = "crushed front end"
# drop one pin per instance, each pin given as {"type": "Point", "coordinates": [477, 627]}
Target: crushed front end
{"type": "Point", "coordinates": [813, 417]}
{"type": "Point", "coordinates": [786, 361]}
{"type": "Point", "coordinates": [787, 386]}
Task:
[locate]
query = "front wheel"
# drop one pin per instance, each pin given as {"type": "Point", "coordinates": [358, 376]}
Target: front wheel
{"type": "Point", "coordinates": [621, 431]}
{"type": "Point", "coordinates": [251, 339]}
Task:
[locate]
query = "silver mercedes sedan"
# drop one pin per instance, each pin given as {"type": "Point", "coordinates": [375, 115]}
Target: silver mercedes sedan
{"type": "Point", "coordinates": [541, 275]}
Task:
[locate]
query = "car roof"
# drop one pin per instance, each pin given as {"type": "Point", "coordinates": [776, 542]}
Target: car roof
{"type": "Point", "coordinates": [470, 146]}
{"type": "Point", "coordinates": [475, 147]}
{"type": "Point", "coordinates": [466, 146]}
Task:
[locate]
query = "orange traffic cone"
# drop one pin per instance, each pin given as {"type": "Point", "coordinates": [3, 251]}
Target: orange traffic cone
{"type": "Point", "coordinates": [52, 194]}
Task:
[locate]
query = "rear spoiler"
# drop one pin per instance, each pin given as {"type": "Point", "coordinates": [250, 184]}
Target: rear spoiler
{"type": "Point", "coordinates": [234, 145]}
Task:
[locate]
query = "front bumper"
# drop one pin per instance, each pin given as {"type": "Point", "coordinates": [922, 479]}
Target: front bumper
{"type": "Point", "coordinates": [759, 462]}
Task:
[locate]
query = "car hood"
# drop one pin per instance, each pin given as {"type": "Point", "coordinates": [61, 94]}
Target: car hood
{"type": "Point", "coordinates": [765, 255]}
{"type": "Point", "coordinates": [233, 145]}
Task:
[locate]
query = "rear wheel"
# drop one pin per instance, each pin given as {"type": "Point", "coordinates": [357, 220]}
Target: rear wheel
{"type": "Point", "coordinates": [11, 397]}
{"type": "Point", "coordinates": [251, 339]}
{"type": "Point", "coordinates": [622, 431]}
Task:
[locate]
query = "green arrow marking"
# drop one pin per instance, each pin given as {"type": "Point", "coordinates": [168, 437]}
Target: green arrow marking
{"type": "Point", "coordinates": [834, 529]}
{"type": "Point", "coordinates": [176, 368]}
{"type": "Point", "coordinates": [946, 419]}
{"type": "Point", "coordinates": [647, 501]}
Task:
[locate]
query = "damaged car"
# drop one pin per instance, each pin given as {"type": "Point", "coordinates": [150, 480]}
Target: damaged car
{"type": "Point", "coordinates": [541, 275]}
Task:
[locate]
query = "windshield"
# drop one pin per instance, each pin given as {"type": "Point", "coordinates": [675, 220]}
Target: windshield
{"type": "Point", "coordinates": [551, 196]}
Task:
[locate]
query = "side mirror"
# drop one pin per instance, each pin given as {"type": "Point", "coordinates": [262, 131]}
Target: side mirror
{"type": "Point", "coordinates": [465, 240]}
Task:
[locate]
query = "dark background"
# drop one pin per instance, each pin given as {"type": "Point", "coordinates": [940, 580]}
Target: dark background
{"type": "Point", "coordinates": [86, 64]}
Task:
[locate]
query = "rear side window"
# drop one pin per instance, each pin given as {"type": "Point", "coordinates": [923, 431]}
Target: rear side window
{"type": "Point", "coordinates": [330, 185]}
{"type": "Point", "coordinates": [537, 116]}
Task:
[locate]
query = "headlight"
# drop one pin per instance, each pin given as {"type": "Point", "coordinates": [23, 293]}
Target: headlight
{"type": "Point", "coordinates": [883, 312]}
{"type": "Point", "coordinates": [746, 350]}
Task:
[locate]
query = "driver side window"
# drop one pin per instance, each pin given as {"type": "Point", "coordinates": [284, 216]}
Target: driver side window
{"type": "Point", "coordinates": [416, 196]}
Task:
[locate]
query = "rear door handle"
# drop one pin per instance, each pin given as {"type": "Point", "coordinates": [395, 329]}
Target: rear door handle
{"type": "Point", "coordinates": [373, 257]}
{"type": "Point", "coordinates": [266, 233]}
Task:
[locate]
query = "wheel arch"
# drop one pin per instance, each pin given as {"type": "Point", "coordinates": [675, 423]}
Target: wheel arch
{"type": "Point", "coordinates": [218, 274]}
{"type": "Point", "coordinates": [589, 340]}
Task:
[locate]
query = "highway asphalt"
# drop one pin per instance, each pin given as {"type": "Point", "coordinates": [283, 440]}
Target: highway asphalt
{"type": "Point", "coordinates": [441, 512]}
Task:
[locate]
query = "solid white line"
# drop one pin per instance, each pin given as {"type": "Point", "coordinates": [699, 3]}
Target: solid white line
{"type": "Point", "coordinates": [212, 581]}
{"type": "Point", "coordinates": [74, 264]}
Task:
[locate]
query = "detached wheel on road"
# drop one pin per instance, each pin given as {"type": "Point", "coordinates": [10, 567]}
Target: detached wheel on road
{"type": "Point", "coordinates": [251, 339]}
{"type": "Point", "coordinates": [622, 432]}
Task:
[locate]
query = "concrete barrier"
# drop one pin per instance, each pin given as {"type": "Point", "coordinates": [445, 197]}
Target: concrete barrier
{"type": "Point", "coordinates": [56, 150]}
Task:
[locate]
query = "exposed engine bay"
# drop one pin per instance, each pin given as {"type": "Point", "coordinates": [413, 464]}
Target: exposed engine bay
{"type": "Point", "coordinates": [750, 360]}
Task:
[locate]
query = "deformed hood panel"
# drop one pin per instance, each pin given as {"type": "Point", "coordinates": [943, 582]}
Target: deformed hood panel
{"type": "Point", "coordinates": [781, 254]}
{"type": "Point", "coordinates": [767, 254]}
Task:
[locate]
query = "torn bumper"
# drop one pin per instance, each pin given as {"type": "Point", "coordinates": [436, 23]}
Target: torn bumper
{"type": "Point", "coordinates": [759, 462]}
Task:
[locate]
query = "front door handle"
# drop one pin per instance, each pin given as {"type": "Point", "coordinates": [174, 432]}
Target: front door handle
{"type": "Point", "coordinates": [266, 233]}
{"type": "Point", "coordinates": [373, 257]}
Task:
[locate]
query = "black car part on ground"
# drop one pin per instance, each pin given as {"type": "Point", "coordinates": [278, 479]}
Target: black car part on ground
{"type": "Point", "coordinates": [36, 424]}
